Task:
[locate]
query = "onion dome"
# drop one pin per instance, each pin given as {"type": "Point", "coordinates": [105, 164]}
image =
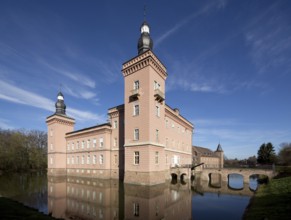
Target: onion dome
{"type": "Point", "coordinates": [144, 42]}
{"type": "Point", "coordinates": [60, 105]}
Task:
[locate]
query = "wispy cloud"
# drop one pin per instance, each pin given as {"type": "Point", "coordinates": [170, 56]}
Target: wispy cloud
{"type": "Point", "coordinates": [269, 40]}
{"type": "Point", "coordinates": [204, 10]}
{"type": "Point", "coordinates": [78, 92]}
{"type": "Point", "coordinates": [13, 93]}
{"type": "Point", "coordinates": [77, 77]}
{"type": "Point", "coordinates": [4, 124]}
{"type": "Point", "coordinates": [238, 139]}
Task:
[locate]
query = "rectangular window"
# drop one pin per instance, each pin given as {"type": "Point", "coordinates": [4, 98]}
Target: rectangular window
{"type": "Point", "coordinates": [73, 160]}
{"type": "Point", "coordinates": [88, 143]}
{"type": "Point", "coordinates": [52, 160]}
{"type": "Point", "coordinates": [88, 159]}
{"type": "Point", "coordinates": [157, 157]}
{"type": "Point", "coordinates": [136, 134]}
{"type": "Point", "coordinates": [136, 110]}
{"type": "Point", "coordinates": [115, 124]}
{"type": "Point", "coordinates": [51, 132]}
{"type": "Point", "coordinates": [136, 209]}
{"type": "Point", "coordinates": [68, 145]}
{"type": "Point", "coordinates": [136, 84]}
{"type": "Point", "coordinates": [78, 144]}
{"type": "Point", "coordinates": [73, 146]}
{"type": "Point", "coordinates": [94, 142]}
{"type": "Point", "coordinates": [52, 146]}
{"type": "Point", "coordinates": [115, 142]}
{"type": "Point", "coordinates": [68, 160]}
{"type": "Point", "coordinates": [101, 159]}
{"type": "Point", "coordinates": [101, 143]}
{"type": "Point", "coordinates": [83, 144]}
{"type": "Point", "coordinates": [157, 135]}
{"type": "Point", "coordinates": [78, 160]}
{"type": "Point", "coordinates": [156, 85]}
{"type": "Point", "coordinates": [167, 142]}
{"type": "Point", "coordinates": [157, 110]}
{"type": "Point", "coordinates": [115, 159]}
{"type": "Point", "coordinates": [83, 159]}
{"type": "Point", "coordinates": [136, 157]}
{"type": "Point", "coordinates": [94, 159]}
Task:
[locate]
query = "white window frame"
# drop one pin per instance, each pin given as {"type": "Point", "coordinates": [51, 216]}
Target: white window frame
{"type": "Point", "coordinates": [83, 144]}
{"type": "Point", "coordinates": [136, 134]}
{"type": "Point", "coordinates": [101, 142]}
{"type": "Point", "coordinates": [158, 111]}
{"type": "Point", "coordinates": [157, 135]}
{"type": "Point", "coordinates": [88, 159]}
{"type": "Point", "coordinates": [136, 84]}
{"type": "Point", "coordinates": [94, 159]}
{"type": "Point", "coordinates": [73, 146]}
{"type": "Point", "coordinates": [136, 158]}
{"type": "Point", "coordinates": [136, 109]}
{"type": "Point", "coordinates": [94, 143]}
{"type": "Point", "coordinates": [83, 159]}
{"type": "Point", "coordinates": [115, 124]}
{"type": "Point", "coordinates": [115, 142]}
{"type": "Point", "coordinates": [101, 159]}
{"type": "Point", "coordinates": [157, 157]}
{"type": "Point", "coordinates": [88, 143]}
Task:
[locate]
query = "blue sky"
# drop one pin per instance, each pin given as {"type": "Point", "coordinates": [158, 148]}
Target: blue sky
{"type": "Point", "coordinates": [228, 64]}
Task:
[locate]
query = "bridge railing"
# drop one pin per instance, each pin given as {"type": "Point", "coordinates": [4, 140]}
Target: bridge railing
{"type": "Point", "coordinates": [259, 166]}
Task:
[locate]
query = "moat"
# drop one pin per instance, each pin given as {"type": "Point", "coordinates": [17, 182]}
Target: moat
{"type": "Point", "coordinates": [87, 198]}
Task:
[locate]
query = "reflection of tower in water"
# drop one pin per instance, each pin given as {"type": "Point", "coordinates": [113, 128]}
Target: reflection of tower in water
{"type": "Point", "coordinates": [87, 198]}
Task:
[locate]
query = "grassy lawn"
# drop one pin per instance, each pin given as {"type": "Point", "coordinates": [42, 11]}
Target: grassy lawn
{"type": "Point", "coordinates": [271, 201]}
{"type": "Point", "coordinates": [10, 209]}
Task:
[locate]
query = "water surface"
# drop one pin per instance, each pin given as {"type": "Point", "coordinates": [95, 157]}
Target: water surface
{"type": "Point", "coordinates": [87, 198]}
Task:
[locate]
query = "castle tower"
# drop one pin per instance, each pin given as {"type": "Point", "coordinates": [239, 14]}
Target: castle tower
{"type": "Point", "coordinates": [58, 125]}
{"type": "Point", "coordinates": [219, 153]}
{"type": "Point", "coordinates": [144, 95]}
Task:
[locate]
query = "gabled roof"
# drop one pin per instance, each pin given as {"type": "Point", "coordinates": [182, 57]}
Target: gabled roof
{"type": "Point", "coordinates": [204, 151]}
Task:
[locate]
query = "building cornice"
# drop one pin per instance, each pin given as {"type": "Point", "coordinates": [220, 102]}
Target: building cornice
{"type": "Point", "coordinates": [106, 126]}
{"type": "Point", "coordinates": [60, 119]}
{"type": "Point", "coordinates": [143, 60]}
{"type": "Point", "coordinates": [144, 143]}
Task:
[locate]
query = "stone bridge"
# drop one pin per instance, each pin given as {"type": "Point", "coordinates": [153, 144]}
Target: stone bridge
{"type": "Point", "coordinates": [201, 186]}
{"type": "Point", "coordinates": [205, 174]}
{"type": "Point", "coordinates": [180, 172]}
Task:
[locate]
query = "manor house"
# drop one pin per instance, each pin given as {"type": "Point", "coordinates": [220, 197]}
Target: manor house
{"type": "Point", "coordinates": [143, 139]}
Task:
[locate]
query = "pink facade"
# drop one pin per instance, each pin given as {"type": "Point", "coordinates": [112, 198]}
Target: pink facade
{"type": "Point", "coordinates": [142, 141]}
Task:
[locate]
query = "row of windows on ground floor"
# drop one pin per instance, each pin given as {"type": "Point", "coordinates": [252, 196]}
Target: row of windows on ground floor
{"type": "Point", "coordinates": [175, 159]}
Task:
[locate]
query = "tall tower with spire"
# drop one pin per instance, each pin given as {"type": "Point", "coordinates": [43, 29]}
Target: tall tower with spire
{"type": "Point", "coordinates": [219, 153]}
{"type": "Point", "coordinates": [144, 95]}
{"type": "Point", "coordinates": [58, 125]}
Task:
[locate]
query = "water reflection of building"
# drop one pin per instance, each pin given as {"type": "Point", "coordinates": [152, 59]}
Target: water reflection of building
{"type": "Point", "coordinates": [87, 198]}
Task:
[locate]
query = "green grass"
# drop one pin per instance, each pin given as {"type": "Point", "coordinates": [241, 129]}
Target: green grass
{"type": "Point", "coordinates": [271, 201]}
{"type": "Point", "coordinates": [10, 209]}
